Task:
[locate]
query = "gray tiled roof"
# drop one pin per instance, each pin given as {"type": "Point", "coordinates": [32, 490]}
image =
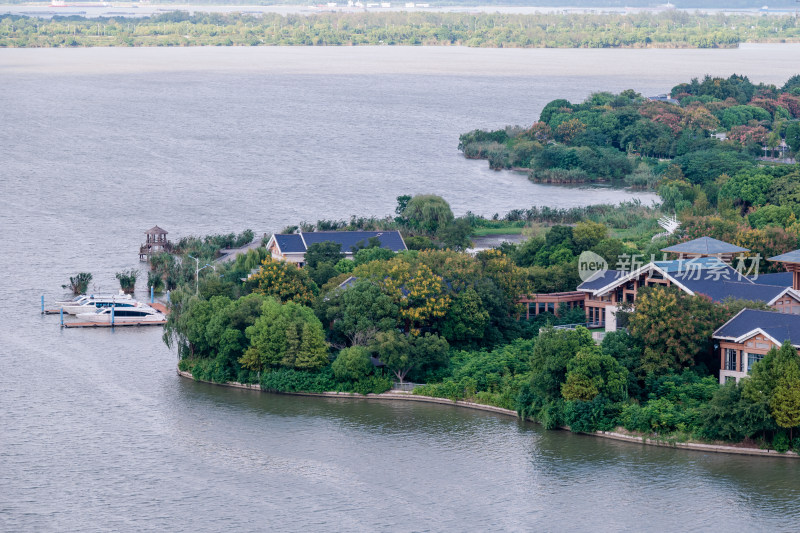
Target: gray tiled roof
{"type": "Point", "coordinates": [780, 326]}
{"type": "Point", "coordinates": [350, 239]}
{"type": "Point", "coordinates": [788, 257]}
{"type": "Point", "coordinates": [705, 245]}
{"type": "Point", "coordinates": [601, 279]}
{"type": "Point", "coordinates": [707, 276]}
{"type": "Point", "coordinates": [783, 279]}
{"type": "Point", "coordinates": [290, 243]}
{"type": "Point", "coordinates": [294, 242]}
{"type": "Point", "coordinates": [720, 290]}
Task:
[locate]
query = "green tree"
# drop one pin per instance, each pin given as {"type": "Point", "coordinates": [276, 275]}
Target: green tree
{"type": "Point", "coordinates": [428, 213]}
{"type": "Point", "coordinates": [323, 273]}
{"type": "Point", "coordinates": [323, 252]}
{"type": "Point", "coordinates": [554, 349]}
{"type": "Point", "coordinates": [352, 364]}
{"type": "Point", "coordinates": [361, 311]}
{"type": "Point", "coordinates": [785, 402]}
{"type": "Point", "coordinates": [455, 235]}
{"type": "Point", "coordinates": [765, 375]}
{"type": "Point", "coordinates": [402, 202]}
{"type": "Point", "coordinates": [403, 353]}
{"type": "Point", "coordinates": [588, 234]}
{"type": "Point", "coordinates": [747, 188]}
{"type": "Point", "coordinates": [375, 253]}
{"type": "Point", "coordinates": [785, 190]}
{"type": "Point", "coordinates": [732, 417]}
{"type": "Point", "coordinates": [286, 335]}
{"type": "Point", "coordinates": [775, 381]}
{"type": "Point", "coordinates": [671, 341]}
{"type": "Point", "coordinates": [793, 136]}
{"type": "Point", "coordinates": [466, 319]}
{"type": "Point", "coordinates": [591, 373]}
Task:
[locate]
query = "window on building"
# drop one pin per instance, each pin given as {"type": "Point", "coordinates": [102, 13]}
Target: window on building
{"type": "Point", "coordinates": [753, 358]}
{"type": "Point", "coordinates": [730, 359]}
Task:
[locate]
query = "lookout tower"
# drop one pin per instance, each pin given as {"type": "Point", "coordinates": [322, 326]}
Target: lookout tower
{"type": "Point", "coordinates": [706, 247]}
{"type": "Point", "coordinates": [155, 242]}
{"type": "Point", "coordinates": [791, 260]}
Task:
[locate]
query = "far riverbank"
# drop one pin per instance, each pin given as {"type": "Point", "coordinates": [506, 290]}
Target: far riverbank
{"type": "Point", "coordinates": [404, 396]}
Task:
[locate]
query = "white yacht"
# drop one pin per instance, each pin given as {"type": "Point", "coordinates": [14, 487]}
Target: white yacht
{"type": "Point", "coordinates": [88, 303]}
{"type": "Point", "coordinates": [139, 313]}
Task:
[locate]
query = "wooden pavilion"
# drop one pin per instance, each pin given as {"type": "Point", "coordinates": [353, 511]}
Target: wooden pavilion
{"type": "Point", "coordinates": [706, 247]}
{"type": "Point", "coordinates": [155, 243]}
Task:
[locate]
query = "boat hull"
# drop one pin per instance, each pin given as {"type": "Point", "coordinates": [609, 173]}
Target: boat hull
{"type": "Point", "coordinates": [105, 318]}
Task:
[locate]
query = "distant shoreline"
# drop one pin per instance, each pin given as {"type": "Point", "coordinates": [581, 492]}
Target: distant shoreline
{"type": "Point", "coordinates": [362, 24]}
{"type": "Point", "coordinates": [694, 446]}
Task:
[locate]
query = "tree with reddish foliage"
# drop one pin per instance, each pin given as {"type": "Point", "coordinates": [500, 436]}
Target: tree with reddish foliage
{"type": "Point", "coordinates": [791, 103]}
{"type": "Point", "coordinates": [540, 131]}
{"type": "Point", "coordinates": [568, 130]}
{"type": "Point", "coordinates": [745, 135]}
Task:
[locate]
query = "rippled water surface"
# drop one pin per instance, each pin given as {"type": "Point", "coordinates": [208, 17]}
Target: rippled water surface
{"type": "Point", "coordinates": [97, 432]}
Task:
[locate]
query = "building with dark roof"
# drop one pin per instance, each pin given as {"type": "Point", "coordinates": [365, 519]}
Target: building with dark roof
{"type": "Point", "coordinates": [707, 276]}
{"type": "Point", "coordinates": [292, 247]}
{"type": "Point", "coordinates": [746, 338]}
{"type": "Point", "coordinates": [791, 260]}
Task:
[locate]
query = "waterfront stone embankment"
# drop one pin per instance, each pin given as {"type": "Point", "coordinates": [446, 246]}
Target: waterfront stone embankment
{"type": "Point", "coordinates": [406, 396]}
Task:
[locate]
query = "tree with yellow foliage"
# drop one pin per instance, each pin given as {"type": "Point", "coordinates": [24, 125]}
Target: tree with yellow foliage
{"type": "Point", "coordinates": [284, 281]}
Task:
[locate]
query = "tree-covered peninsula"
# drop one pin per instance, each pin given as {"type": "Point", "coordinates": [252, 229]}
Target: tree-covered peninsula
{"type": "Point", "coordinates": [457, 324]}
{"type": "Point", "coordinates": [708, 128]}
{"type": "Point", "coordinates": [671, 29]}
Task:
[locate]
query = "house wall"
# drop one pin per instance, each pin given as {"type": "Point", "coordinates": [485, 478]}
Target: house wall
{"type": "Point", "coordinates": [787, 304]}
{"type": "Point", "coordinates": [757, 345]}
{"type": "Point", "coordinates": [597, 311]}
{"type": "Point", "coordinates": [550, 302]}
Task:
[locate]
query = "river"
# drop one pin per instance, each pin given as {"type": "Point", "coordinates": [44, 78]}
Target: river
{"type": "Point", "coordinates": [96, 430]}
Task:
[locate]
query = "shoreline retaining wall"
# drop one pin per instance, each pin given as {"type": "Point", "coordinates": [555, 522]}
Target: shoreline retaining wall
{"type": "Point", "coordinates": [406, 396]}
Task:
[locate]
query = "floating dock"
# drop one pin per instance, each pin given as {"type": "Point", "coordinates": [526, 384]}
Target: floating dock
{"type": "Point", "coordinates": [157, 306]}
{"type": "Point", "coordinates": [109, 325]}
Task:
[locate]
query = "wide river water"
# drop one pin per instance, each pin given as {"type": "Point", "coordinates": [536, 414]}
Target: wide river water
{"type": "Point", "coordinates": [96, 430]}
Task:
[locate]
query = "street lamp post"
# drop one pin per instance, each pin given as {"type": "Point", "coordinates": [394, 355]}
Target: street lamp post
{"type": "Point", "coordinates": [197, 270]}
{"type": "Point", "coordinates": [196, 273]}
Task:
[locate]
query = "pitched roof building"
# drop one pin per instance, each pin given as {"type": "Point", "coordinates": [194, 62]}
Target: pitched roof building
{"type": "Point", "coordinates": [746, 338]}
{"type": "Point", "coordinates": [702, 268]}
{"type": "Point", "coordinates": [292, 247]}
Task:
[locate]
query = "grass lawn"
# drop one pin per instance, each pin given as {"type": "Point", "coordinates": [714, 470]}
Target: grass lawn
{"type": "Point", "coordinates": [500, 230]}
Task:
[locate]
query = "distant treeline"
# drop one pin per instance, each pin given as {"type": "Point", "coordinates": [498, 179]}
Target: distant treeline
{"type": "Point", "coordinates": [592, 4]}
{"type": "Point", "coordinates": [670, 29]}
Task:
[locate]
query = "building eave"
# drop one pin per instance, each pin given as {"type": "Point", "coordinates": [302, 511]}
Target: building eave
{"type": "Point", "coordinates": [274, 240]}
{"type": "Point", "coordinates": [788, 290]}
{"type": "Point", "coordinates": [635, 274]}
